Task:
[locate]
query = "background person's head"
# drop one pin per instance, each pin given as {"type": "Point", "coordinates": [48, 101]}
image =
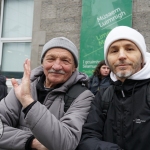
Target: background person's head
{"type": "Point", "coordinates": [59, 59]}
{"type": "Point", "coordinates": [101, 70]}
{"type": "Point", "coordinates": [125, 51]}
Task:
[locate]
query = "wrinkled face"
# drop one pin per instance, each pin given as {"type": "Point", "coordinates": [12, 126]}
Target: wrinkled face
{"type": "Point", "coordinates": [124, 58]}
{"type": "Point", "coordinates": [104, 70]}
{"type": "Point", "coordinates": [58, 65]}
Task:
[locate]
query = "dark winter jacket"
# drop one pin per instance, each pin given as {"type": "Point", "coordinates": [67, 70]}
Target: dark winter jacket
{"type": "Point", "coordinates": [95, 83]}
{"type": "Point", "coordinates": [3, 87]}
{"type": "Point", "coordinates": [127, 125]}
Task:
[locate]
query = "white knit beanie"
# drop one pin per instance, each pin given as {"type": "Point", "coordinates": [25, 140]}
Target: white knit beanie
{"type": "Point", "coordinates": [61, 42]}
{"type": "Point", "coordinates": [124, 32]}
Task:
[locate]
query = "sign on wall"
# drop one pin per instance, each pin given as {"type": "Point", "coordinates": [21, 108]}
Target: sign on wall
{"type": "Point", "coordinates": [98, 18]}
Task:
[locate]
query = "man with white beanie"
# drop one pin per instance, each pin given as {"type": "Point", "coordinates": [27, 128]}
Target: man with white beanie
{"type": "Point", "coordinates": [36, 113]}
{"type": "Point", "coordinates": [124, 122]}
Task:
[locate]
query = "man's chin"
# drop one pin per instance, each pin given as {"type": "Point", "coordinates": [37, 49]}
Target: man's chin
{"type": "Point", "coordinates": [123, 74]}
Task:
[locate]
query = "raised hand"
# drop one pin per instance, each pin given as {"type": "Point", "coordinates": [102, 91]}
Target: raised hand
{"type": "Point", "coordinates": [22, 90]}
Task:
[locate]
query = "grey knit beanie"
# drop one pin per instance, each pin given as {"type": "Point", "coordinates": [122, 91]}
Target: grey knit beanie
{"type": "Point", "coordinates": [61, 42]}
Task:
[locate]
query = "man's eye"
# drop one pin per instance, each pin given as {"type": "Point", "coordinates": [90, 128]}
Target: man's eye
{"type": "Point", "coordinates": [114, 51]}
{"type": "Point", "coordinates": [66, 61]}
{"type": "Point", "coordinates": [130, 49]}
{"type": "Point", "coordinates": [50, 59]}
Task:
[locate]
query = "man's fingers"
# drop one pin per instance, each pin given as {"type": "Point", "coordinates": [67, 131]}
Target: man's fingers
{"type": "Point", "coordinates": [27, 69]}
{"type": "Point", "coordinates": [14, 82]}
{"type": "Point", "coordinates": [28, 65]}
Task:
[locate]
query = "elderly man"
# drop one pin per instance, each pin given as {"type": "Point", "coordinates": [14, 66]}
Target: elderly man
{"type": "Point", "coordinates": [125, 123]}
{"type": "Point", "coordinates": [33, 116]}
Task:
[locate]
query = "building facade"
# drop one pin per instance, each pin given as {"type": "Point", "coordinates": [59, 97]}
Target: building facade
{"type": "Point", "coordinates": [41, 20]}
{"type": "Point", "coordinates": [63, 18]}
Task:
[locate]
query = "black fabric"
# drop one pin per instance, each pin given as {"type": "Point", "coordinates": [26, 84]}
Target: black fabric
{"type": "Point", "coordinates": [41, 90]}
{"type": "Point", "coordinates": [127, 123]}
{"type": "Point", "coordinates": [95, 83]}
{"type": "Point", "coordinates": [26, 110]}
{"type": "Point", "coordinates": [106, 98]}
{"type": "Point", "coordinates": [72, 94]}
{"type": "Point", "coordinates": [3, 87]}
{"type": "Point", "coordinates": [92, 133]}
{"type": "Point", "coordinates": [29, 142]}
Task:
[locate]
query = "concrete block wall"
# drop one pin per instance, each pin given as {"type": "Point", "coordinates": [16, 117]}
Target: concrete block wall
{"type": "Point", "coordinates": [54, 18]}
{"type": "Point", "coordinates": [141, 19]}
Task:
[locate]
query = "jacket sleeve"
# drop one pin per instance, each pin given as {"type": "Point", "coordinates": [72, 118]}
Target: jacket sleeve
{"type": "Point", "coordinates": [63, 134]}
{"type": "Point", "coordinates": [10, 136]}
{"type": "Point", "coordinates": [92, 133]}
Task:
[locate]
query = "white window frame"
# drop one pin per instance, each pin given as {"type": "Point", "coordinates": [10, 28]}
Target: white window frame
{"type": "Point", "coordinates": [8, 40]}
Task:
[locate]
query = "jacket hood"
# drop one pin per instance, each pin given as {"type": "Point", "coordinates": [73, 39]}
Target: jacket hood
{"type": "Point", "coordinates": [143, 74]}
{"type": "Point", "coordinates": [36, 72]}
{"type": "Point", "coordinates": [81, 77]}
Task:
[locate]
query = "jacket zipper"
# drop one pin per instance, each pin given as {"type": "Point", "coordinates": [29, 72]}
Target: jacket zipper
{"type": "Point", "coordinates": [122, 114]}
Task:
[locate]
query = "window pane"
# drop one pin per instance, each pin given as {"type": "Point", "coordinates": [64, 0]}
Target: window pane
{"type": "Point", "coordinates": [18, 18]}
{"type": "Point", "coordinates": [13, 57]}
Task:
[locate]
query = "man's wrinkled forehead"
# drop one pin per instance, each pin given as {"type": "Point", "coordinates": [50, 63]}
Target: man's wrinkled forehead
{"type": "Point", "coordinates": [125, 42]}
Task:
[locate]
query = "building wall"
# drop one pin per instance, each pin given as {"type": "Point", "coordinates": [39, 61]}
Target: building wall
{"type": "Point", "coordinates": [54, 18]}
{"type": "Point", "coordinates": [141, 19]}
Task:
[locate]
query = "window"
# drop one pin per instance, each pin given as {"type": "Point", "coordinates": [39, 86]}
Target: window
{"type": "Point", "coordinates": [16, 36]}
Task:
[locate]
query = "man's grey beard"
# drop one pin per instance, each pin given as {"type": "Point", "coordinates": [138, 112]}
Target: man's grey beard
{"type": "Point", "coordinates": [124, 75]}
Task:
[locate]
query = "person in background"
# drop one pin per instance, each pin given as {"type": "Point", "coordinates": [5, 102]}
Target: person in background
{"type": "Point", "coordinates": [3, 87]}
{"type": "Point", "coordinates": [100, 77]}
{"type": "Point", "coordinates": [126, 123]}
{"type": "Point", "coordinates": [32, 115]}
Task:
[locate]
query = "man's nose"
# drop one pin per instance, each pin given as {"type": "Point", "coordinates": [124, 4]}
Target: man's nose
{"type": "Point", "coordinates": [57, 65]}
{"type": "Point", "coordinates": [122, 54]}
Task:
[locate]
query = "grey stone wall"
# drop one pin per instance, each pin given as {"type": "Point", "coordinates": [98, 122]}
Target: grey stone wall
{"type": "Point", "coordinates": [54, 18]}
{"type": "Point", "coordinates": [141, 19]}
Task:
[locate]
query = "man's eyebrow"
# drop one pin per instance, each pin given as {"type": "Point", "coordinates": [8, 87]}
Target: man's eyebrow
{"type": "Point", "coordinates": [130, 44]}
{"type": "Point", "coordinates": [66, 57]}
{"type": "Point", "coordinates": [113, 46]}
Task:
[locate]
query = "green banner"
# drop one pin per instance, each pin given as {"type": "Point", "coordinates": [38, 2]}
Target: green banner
{"type": "Point", "coordinates": [98, 18]}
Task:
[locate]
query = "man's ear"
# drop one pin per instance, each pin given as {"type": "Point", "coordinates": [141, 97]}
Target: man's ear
{"type": "Point", "coordinates": [74, 70]}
